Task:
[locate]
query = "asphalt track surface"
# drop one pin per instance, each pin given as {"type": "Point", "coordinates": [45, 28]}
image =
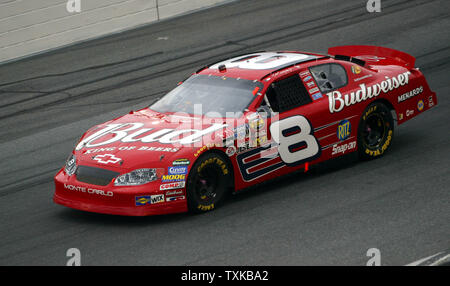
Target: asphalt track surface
{"type": "Point", "coordinates": [332, 215]}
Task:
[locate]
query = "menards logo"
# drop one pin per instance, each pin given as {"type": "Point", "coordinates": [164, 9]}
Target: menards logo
{"type": "Point", "coordinates": [410, 94]}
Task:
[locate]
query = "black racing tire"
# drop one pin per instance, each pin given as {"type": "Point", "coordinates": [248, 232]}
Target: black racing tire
{"type": "Point", "coordinates": [208, 183]}
{"type": "Point", "coordinates": [375, 131]}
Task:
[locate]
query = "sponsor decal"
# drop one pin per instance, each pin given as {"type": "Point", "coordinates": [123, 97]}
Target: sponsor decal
{"type": "Point", "coordinates": [430, 101]}
{"type": "Point", "coordinates": [341, 149]}
{"type": "Point", "coordinates": [176, 198]}
{"type": "Point", "coordinates": [172, 178]}
{"type": "Point", "coordinates": [369, 111]}
{"type": "Point", "coordinates": [171, 186]}
{"type": "Point", "coordinates": [178, 170]}
{"type": "Point", "coordinates": [174, 193]}
{"type": "Point", "coordinates": [338, 101]}
{"type": "Point", "coordinates": [410, 94]}
{"type": "Point", "coordinates": [179, 162]}
{"type": "Point", "coordinates": [400, 116]}
{"type": "Point", "coordinates": [343, 130]}
{"type": "Point", "coordinates": [314, 90]}
{"type": "Point", "coordinates": [356, 69]}
{"type": "Point", "coordinates": [205, 208]}
{"type": "Point", "coordinates": [316, 96]}
{"type": "Point", "coordinates": [420, 105]}
{"type": "Point", "coordinates": [250, 144]}
{"type": "Point", "coordinates": [261, 140]}
{"type": "Point", "coordinates": [106, 159]}
{"type": "Point", "coordinates": [135, 132]}
{"type": "Point", "coordinates": [257, 124]}
{"type": "Point", "coordinates": [88, 190]}
{"type": "Point", "coordinates": [204, 148]}
{"type": "Point", "coordinates": [149, 200]}
{"type": "Point", "coordinates": [217, 161]}
{"type": "Point", "coordinates": [241, 131]}
{"type": "Point", "coordinates": [409, 113]}
{"type": "Point", "coordinates": [305, 73]}
{"type": "Point", "coordinates": [242, 149]}
{"type": "Point", "coordinates": [230, 151]}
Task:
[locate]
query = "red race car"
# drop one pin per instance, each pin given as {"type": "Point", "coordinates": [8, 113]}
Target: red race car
{"type": "Point", "coordinates": [242, 121]}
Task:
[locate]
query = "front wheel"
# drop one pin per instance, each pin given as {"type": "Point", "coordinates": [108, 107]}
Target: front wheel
{"type": "Point", "coordinates": [375, 132]}
{"type": "Point", "coordinates": [208, 183]}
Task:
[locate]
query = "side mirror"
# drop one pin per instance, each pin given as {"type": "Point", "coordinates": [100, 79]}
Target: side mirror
{"type": "Point", "coordinates": [264, 109]}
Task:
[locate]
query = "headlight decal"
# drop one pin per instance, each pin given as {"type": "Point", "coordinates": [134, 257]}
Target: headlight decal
{"type": "Point", "coordinates": [138, 177]}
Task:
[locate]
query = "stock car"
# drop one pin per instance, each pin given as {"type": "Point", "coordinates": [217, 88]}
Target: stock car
{"type": "Point", "coordinates": [242, 121]}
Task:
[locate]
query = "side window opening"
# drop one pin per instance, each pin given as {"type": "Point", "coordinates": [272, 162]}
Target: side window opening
{"type": "Point", "coordinates": [329, 76]}
{"type": "Point", "coordinates": [287, 94]}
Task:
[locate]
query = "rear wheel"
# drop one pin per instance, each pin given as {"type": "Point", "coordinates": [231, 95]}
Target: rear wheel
{"type": "Point", "coordinates": [375, 132]}
{"type": "Point", "coordinates": [208, 183]}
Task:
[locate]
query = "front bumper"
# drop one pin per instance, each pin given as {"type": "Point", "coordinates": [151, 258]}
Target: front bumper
{"type": "Point", "coordinates": [110, 199]}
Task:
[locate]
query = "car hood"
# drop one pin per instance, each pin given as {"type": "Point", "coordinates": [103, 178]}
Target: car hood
{"type": "Point", "coordinates": [146, 138]}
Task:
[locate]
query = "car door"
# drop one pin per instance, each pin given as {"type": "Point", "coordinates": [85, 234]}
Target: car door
{"type": "Point", "coordinates": [336, 131]}
{"type": "Point", "coordinates": [291, 140]}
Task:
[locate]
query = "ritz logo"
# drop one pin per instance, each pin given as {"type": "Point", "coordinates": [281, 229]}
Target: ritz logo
{"type": "Point", "coordinates": [75, 257]}
{"type": "Point", "coordinates": [73, 6]}
{"type": "Point", "coordinates": [343, 131]}
{"type": "Point", "coordinates": [373, 6]}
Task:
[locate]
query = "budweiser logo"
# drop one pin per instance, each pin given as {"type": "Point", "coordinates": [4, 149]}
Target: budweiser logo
{"type": "Point", "coordinates": [134, 132]}
{"type": "Point", "coordinates": [337, 101]}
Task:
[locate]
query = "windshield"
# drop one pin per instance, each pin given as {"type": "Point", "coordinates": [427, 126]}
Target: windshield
{"type": "Point", "coordinates": [209, 95]}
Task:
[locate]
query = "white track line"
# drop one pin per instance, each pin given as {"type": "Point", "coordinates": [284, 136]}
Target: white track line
{"type": "Point", "coordinates": [445, 257]}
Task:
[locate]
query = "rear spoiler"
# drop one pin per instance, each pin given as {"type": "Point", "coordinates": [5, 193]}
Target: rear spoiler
{"type": "Point", "coordinates": [374, 55]}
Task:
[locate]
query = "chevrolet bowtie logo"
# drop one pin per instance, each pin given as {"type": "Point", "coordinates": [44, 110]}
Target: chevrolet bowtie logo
{"type": "Point", "coordinates": [106, 159]}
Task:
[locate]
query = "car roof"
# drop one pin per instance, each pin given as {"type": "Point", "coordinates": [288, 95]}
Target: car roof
{"type": "Point", "coordinates": [257, 65]}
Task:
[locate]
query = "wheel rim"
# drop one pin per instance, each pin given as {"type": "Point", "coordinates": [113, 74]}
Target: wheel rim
{"type": "Point", "coordinates": [374, 130]}
{"type": "Point", "coordinates": [206, 183]}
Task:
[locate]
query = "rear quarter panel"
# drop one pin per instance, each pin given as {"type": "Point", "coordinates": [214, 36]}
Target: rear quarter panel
{"type": "Point", "coordinates": [337, 131]}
